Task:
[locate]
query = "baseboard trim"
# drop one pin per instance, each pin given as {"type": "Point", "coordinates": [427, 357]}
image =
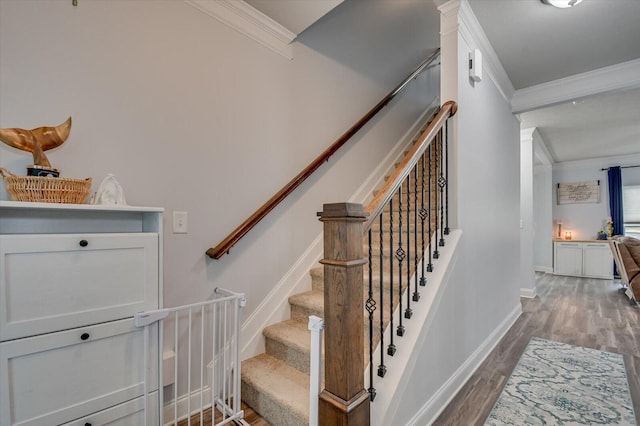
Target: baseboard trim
{"type": "Point", "coordinates": [439, 401]}
{"type": "Point", "coordinates": [529, 293]}
{"type": "Point", "coordinates": [545, 269]}
{"type": "Point", "coordinates": [183, 404]}
{"type": "Point", "coordinates": [275, 307]}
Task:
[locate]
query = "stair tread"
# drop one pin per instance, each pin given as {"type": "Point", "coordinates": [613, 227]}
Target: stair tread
{"type": "Point", "coordinates": [294, 333]}
{"type": "Point", "coordinates": [281, 382]}
{"type": "Point", "coordinates": [312, 299]}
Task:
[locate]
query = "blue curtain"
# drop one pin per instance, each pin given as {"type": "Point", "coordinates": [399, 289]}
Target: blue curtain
{"type": "Point", "coordinates": [615, 199]}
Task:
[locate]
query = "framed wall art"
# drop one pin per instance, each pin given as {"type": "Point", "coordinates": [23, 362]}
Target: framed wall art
{"type": "Point", "coordinates": [579, 192]}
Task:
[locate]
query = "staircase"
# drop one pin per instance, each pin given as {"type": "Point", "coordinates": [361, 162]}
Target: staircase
{"type": "Point", "coordinates": [276, 383]}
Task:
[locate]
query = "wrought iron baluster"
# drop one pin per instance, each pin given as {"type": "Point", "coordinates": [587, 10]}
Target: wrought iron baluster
{"type": "Point", "coordinates": [446, 161]}
{"type": "Point", "coordinates": [408, 313]}
{"type": "Point", "coordinates": [429, 151]}
{"type": "Point", "coordinates": [436, 253]}
{"type": "Point", "coordinates": [371, 307]}
{"type": "Point", "coordinates": [400, 255]}
{"type": "Point", "coordinates": [382, 369]}
{"type": "Point", "coordinates": [416, 293]}
{"type": "Point", "coordinates": [442, 182]}
{"type": "Point", "coordinates": [423, 215]}
{"type": "Point", "coordinates": [391, 350]}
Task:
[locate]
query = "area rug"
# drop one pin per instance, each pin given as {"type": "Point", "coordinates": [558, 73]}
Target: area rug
{"type": "Point", "coordinates": [559, 384]}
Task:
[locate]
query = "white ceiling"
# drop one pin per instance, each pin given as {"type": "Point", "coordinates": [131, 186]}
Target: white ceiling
{"type": "Point", "coordinates": [537, 43]}
{"type": "Point", "coordinates": [598, 126]}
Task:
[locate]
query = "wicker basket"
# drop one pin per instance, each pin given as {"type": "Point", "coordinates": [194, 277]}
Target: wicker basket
{"type": "Point", "coordinates": [46, 189]}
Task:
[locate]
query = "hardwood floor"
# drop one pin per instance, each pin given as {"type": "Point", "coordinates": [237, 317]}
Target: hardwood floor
{"type": "Point", "coordinates": [578, 311]}
{"type": "Point", "coordinates": [250, 416]}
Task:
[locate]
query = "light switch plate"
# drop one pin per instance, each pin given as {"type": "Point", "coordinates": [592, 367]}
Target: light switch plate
{"type": "Point", "coordinates": [180, 222]}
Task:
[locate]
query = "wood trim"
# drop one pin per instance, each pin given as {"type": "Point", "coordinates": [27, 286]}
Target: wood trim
{"type": "Point", "coordinates": [346, 264]}
{"type": "Point", "coordinates": [375, 207]}
{"type": "Point", "coordinates": [225, 245]}
{"type": "Point", "coordinates": [344, 400]}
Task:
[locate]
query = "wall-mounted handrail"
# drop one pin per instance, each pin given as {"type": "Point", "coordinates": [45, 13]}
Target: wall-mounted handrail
{"type": "Point", "coordinates": [375, 207]}
{"type": "Point", "coordinates": [225, 245]}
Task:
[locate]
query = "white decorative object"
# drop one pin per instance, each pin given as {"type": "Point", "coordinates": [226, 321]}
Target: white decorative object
{"type": "Point", "coordinates": [110, 192]}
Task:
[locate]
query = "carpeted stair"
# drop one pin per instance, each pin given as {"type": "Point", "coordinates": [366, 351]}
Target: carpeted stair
{"type": "Point", "coordinates": [276, 383]}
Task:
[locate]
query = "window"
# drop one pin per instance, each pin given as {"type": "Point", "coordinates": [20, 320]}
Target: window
{"type": "Point", "coordinates": [631, 205]}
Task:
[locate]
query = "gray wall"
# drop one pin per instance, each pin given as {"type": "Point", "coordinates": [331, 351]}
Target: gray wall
{"type": "Point", "coordinates": [585, 220]}
{"type": "Point", "coordinates": [190, 115]}
{"type": "Point", "coordinates": [482, 295]}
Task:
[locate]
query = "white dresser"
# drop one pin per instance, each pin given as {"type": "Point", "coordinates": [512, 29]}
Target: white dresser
{"type": "Point", "coordinates": [592, 259]}
{"type": "Point", "coordinates": [71, 278]}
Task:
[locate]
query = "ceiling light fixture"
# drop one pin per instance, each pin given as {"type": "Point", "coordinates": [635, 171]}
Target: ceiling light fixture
{"type": "Point", "coordinates": [562, 4]}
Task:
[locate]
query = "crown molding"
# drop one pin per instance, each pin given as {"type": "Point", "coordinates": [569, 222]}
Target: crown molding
{"type": "Point", "coordinates": [527, 134]}
{"type": "Point", "coordinates": [471, 31]}
{"type": "Point", "coordinates": [625, 75]}
{"type": "Point", "coordinates": [541, 150]}
{"type": "Point", "coordinates": [474, 35]}
{"type": "Point", "coordinates": [600, 162]}
{"type": "Point", "coordinates": [249, 21]}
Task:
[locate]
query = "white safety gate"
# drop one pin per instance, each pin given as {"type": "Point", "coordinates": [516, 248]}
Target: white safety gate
{"type": "Point", "coordinates": [200, 368]}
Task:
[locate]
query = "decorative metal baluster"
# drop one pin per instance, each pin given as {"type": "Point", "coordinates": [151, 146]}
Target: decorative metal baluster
{"type": "Point", "coordinates": [416, 294]}
{"type": "Point", "coordinates": [408, 313]}
{"type": "Point", "coordinates": [429, 153]}
{"type": "Point", "coordinates": [400, 255]}
{"type": "Point", "coordinates": [382, 369]}
{"type": "Point", "coordinates": [436, 253]}
{"type": "Point", "coordinates": [442, 182]}
{"type": "Point", "coordinates": [446, 161]}
{"type": "Point", "coordinates": [423, 215]}
{"type": "Point", "coordinates": [371, 307]}
{"type": "Point", "coordinates": [391, 350]}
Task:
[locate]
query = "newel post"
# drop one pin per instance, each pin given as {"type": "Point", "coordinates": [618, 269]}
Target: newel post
{"type": "Point", "coordinates": [344, 400]}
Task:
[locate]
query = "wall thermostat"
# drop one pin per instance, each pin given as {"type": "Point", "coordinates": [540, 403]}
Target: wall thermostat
{"type": "Point", "coordinates": [475, 65]}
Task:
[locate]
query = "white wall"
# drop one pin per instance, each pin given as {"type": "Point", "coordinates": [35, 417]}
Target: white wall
{"type": "Point", "coordinates": [585, 220]}
{"type": "Point", "coordinates": [542, 203]}
{"type": "Point", "coordinates": [527, 276]}
{"type": "Point", "coordinates": [543, 218]}
{"type": "Point", "coordinates": [482, 297]}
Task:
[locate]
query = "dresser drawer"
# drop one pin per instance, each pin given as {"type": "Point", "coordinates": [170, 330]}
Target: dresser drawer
{"type": "Point", "coordinates": [59, 377]}
{"type": "Point", "coordinates": [56, 282]}
{"type": "Point", "coordinates": [131, 413]}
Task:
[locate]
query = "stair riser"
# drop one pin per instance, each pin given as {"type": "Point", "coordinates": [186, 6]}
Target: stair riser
{"type": "Point", "coordinates": [304, 312]}
{"type": "Point", "coordinates": [270, 409]}
{"type": "Point", "coordinates": [295, 357]}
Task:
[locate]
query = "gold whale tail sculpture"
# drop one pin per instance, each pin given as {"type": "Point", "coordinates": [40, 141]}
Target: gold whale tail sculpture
{"type": "Point", "coordinates": [37, 140]}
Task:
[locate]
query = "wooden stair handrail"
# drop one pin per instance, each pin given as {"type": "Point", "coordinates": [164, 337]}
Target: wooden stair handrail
{"type": "Point", "coordinates": [225, 245]}
{"type": "Point", "coordinates": [375, 207]}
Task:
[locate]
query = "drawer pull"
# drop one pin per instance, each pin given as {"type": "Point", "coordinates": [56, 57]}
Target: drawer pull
{"type": "Point", "coordinates": [84, 243]}
{"type": "Point", "coordinates": [84, 336]}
